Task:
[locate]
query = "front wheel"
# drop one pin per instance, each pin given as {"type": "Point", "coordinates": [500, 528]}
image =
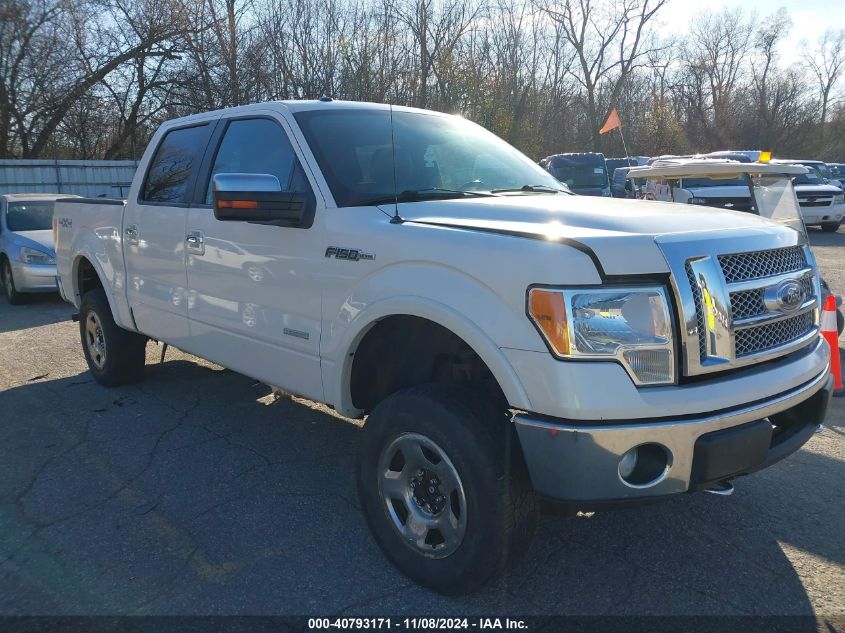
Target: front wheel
{"type": "Point", "coordinates": [115, 356]}
{"type": "Point", "coordinates": [444, 487]}
{"type": "Point", "coordinates": [12, 295]}
{"type": "Point", "coordinates": [830, 227]}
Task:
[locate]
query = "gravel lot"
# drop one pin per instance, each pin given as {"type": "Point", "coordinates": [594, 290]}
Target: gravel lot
{"type": "Point", "coordinates": [195, 492]}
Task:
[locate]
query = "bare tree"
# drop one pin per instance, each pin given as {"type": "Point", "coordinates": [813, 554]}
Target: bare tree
{"type": "Point", "coordinates": [826, 62]}
{"type": "Point", "coordinates": [610, 41]}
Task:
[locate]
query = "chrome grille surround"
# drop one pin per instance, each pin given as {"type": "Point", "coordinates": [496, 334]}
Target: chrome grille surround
{"type": "Point", "coordinates": [723, 289]}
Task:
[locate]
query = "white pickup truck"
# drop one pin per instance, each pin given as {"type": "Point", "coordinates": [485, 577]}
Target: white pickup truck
{"type": "Point", "coordinates": [507, 341]}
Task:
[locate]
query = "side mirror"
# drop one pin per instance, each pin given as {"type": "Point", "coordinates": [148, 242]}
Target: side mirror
{"type": "Point", "coordinates": [256, 198]}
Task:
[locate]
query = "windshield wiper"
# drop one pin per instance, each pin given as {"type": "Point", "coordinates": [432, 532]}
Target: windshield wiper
{"type": "Point", "coordinates": [532, 189]}
{"type": "Point", "coordinates": [418, 195]}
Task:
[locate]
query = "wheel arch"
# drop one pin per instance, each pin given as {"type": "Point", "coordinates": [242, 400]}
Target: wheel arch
{"type": "Point", "coordinates": [453, 326]}
{"type": "Point", "coordinates": [86, 275]}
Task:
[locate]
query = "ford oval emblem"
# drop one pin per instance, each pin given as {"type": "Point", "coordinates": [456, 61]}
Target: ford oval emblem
{"type": "Point", "coordinates": [785, 297]}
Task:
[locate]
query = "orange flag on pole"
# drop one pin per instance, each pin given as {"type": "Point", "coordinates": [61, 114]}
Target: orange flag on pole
{"type": "Point", "coordinates": [612, 122]}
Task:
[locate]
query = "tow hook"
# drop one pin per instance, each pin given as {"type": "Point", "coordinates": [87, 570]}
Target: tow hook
{"type": "Point", "coordinates": [723, 488]}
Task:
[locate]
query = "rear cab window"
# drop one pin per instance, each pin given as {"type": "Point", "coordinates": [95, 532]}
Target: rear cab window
{"type": "Point", "coordinates": [173, 165]}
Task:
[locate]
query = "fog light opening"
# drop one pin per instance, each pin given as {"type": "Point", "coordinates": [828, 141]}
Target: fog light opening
{"type": "Point", "coordinates": [645, 465]}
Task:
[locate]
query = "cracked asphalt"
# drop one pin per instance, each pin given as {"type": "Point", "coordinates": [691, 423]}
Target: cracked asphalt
{"type": "Point", "coordinates": [198, 492]}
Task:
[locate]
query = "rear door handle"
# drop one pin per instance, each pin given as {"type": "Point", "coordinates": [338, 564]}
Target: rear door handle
{"type": "Point", "coordinates": [195, 242]}
{"type": "Point", "coordinates": [131, 234]}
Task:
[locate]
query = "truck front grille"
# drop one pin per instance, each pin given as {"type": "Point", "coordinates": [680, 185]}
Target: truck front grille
{"type": "Point", "coordinates": [773, 335]}
{"type": "Point", "coordinates": [743, 266]}
{"type": "Point", "coordinates": [741, 306]}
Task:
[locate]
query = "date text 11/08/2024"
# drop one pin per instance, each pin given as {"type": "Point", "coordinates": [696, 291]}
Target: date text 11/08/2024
{"type": "Point", "coordinates": [417, 623]}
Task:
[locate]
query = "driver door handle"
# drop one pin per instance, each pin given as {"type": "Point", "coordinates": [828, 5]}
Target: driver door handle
{"type": "Point", "coordinates": [195, 243]}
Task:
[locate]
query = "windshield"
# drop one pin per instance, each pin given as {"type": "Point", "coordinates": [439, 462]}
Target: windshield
{"type": "Point", "coordinates": [822, 168]}
{"type": "Point", "coordinates": [693, 183]}
{"type": "Point", "coordinates": [30, 216]}
{"type": "Point", "coordinates": [812, 177]}
{"type": "Point", "coordinates": [364, 161]}
{"type": "Point", "coordinates": [581, 176]}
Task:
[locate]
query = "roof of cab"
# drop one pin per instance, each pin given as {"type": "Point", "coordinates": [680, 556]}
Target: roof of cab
{"type": "Point", "coordinates": [296, 106]}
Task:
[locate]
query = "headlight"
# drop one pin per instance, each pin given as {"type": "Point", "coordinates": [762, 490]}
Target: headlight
{"type": "Point", "coordinates": [697, 201]}
{"type": "Point", "coordinates": [33, 256]}
{"type": "Point", "coordinates": [632, 326]}
{"type": "Point", "coordinates": [839, 198]}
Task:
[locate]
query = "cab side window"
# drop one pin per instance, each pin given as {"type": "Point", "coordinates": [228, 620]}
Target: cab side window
{"type": "Point", "coordinates": [258, 146]}
{"type": "Point", "coordinates": [173, 163]}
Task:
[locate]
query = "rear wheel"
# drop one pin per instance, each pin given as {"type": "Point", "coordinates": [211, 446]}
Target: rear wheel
{"type": "Point", "coordinates": [10, 292]}
{"type": "Point", "coordinates": [444, 487]}
{"type": "Point", "coordinates": [115, 356]}
{"type": "Point", "coordinates": [830, 227]}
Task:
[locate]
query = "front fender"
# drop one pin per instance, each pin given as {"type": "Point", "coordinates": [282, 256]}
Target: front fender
{"type": "Point", "coordinates": [454, 300]}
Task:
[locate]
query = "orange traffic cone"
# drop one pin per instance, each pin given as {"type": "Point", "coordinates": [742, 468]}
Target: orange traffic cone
{"type": "Point", "coordinates": [830, 333]}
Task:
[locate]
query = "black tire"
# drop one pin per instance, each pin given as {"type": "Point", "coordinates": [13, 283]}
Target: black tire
{"type": "Point", "coordinates": [481, 445]}
{"type": "Point", "coordinates": [830, 227]}
{"type": "Point", "coordinates": [14, 297]}
{"type": "Point", "coordinates": [121, 358]}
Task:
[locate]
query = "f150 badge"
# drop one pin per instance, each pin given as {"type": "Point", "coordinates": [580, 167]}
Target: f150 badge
{"type": "Point", "coordinates": [349, 254]}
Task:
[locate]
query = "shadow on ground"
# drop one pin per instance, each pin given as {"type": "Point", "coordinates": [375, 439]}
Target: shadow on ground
{"type": "Point", "coordinates": [196, 492]}
{"type": "Point", "coordinates": [39, 309]}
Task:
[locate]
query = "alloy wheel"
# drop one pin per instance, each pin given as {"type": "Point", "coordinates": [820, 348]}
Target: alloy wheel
{"type": "Point", "coordinates": [423, 495]}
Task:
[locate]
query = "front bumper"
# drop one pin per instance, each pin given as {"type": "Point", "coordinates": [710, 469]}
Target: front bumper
{"type": "Point", "coordinates": [580, 462]}
{"type": "Point", "coordinates": [818, 215]}
{"type": "Point", "coordinates": [34, 277]}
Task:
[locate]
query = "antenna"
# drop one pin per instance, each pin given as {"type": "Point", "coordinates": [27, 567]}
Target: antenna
{"type": "Point", "coordinates": [396, 219]}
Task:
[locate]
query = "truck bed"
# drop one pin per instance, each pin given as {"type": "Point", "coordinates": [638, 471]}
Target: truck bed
{"type": "Point", "coordinates": [92, 228]}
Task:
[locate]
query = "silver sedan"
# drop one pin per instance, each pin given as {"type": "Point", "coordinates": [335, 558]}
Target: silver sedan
{"type": "Point", "coordinates": [27, 254]}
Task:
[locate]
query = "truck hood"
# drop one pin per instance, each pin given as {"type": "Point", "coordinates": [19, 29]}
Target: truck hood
{"type": "Point", "coordinates": [621, 233]}
{"type": "Point", "coordinates": [822, 190]}
{"type": "Point", "coordinates": [42, 240]}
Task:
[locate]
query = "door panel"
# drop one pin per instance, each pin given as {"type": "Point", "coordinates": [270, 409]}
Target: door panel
{"type": "Point", "coordinates": [153, 235]}
{"type": "Point", "coordinates": [254, 300]}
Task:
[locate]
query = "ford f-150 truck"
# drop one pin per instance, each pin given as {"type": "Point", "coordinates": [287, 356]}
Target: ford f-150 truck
{"type": "Point", "coordinates": [507, 341]}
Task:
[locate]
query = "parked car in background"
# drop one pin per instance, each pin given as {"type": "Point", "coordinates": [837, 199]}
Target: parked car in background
{"type": "Point", "coordinates": [739, 155]}
{"type": "Point", "coordinates": [822, 203]}
{"type": "Point", "coordinates": [614, 163]}
{"type": "Point", "coordinates": [623, 187]}
{"type": "Point", "coordinates": [821, 167]}
{"type": "Point", "coordinates": [838, 171]}
{"type": "Point", "coordinates": [727, 192]}
{"type": "Point", "coordinates": [585, 174]}
{"type": "Point", "coordinates": [27, 256]}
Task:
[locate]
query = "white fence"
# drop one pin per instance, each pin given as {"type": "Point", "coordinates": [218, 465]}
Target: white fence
{"type": "Point", "coordinates": [89, 178]}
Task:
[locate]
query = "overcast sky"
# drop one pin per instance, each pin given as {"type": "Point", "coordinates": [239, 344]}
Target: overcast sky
{"type": "Point", "coordinates": [810, 18]}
